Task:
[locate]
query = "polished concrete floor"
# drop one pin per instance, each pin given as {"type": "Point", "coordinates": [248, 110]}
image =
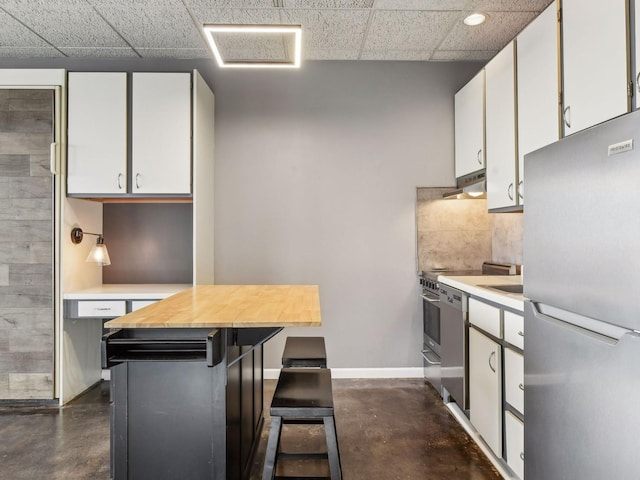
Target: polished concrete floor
{"type": "Point", "coordinates": [387, 429]}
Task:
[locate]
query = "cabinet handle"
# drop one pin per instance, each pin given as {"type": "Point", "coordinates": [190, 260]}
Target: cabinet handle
{"type": "Point", "coordinates": [566, 115]}
{"type": "Point", "coordinates": [520, 186]}
{"type": "Point", "coordinates": [120, 177]}
{"type": "Point", "coordinates": [521, 333]}
{"type": "Point", "coordinates": [522, 456]}
{"type": "Point", "coordinates": [478, 156]}
{"type": "Point", "coordinates": [493, 355]}
{"type": "Point", "coordinates": [137, 180]}
{"type": "Point", "coordinates": [638, 81]}
{"type": "Point", "coordinates": [53, 158]}
{"type": "Point", "coordinates": [510, 191]}
{"type": "Point", "coordinates": [521, 387]}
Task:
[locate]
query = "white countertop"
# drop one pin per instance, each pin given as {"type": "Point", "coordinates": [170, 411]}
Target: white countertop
{"type": "Point", "coordinates": [472, 285]}
{"type": "Point", "coordinates": [125, 291]}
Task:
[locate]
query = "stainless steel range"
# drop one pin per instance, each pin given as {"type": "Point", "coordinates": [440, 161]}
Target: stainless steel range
{"type": "Point", "coordinates": [445, 329]}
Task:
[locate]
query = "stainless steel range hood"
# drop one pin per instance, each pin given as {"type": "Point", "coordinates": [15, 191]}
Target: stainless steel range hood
{"type": "Point", "coordinates": [471, 186]}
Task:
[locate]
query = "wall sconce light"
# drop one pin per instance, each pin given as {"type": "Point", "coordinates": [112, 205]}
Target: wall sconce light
{"type": "Point", "coordinates": [98, 253]}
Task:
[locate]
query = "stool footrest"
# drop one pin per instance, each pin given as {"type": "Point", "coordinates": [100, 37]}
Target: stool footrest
{"type": "Point", "coordinates": [303, 456]}
{"type": "Point", "coordinates": [282, 477]}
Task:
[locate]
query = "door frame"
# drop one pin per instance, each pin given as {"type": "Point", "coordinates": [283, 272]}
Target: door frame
{"type": "Point", "coordinates": [55, 80]}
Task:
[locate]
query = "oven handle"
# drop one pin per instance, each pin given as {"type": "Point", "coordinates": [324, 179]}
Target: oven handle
{"type": "Point", "coordinates": [425, 355]}
{"type": "Point", "coordinates": [430, 300]}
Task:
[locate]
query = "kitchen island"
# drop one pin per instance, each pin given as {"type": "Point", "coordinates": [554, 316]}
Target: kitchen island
{"type": "Point", "coordinates": [187, 374]}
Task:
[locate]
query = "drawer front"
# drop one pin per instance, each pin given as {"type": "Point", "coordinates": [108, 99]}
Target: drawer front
{"type": "Point", "coordinates": [514, 379]}
{"type": "Point", "coordinates": [138, 304]}
{"type": "Point", "coordinates": [102, 308]}
{"type": "Point", "coordinates": [485, 316]}
{"type": "Point", "coordinates": [514, 329]}
{"type": "Point", "coordinates": [515, 443]}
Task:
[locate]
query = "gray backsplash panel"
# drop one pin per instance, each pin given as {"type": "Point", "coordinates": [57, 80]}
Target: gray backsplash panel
{"type": "Point", "coordinates": [148, 242]}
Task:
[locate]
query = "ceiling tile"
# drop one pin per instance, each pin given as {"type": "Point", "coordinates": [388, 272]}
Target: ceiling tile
{"type": "Point", "coordinates": [329, 30]}
{"type": "Point", "coordinates": [509, 5]}
{"type": "Point", "coordinates": [463, 55]}
{"type": "Point", "coordinates": [409, 30]}
{"type": "Point", "coordinates": [236, 15]}
{"type": "Point", "coordinates": [99, 52]}
{"type": "Point", "coordinates": [29, 52]}
{"type": "Point", "coordinates": [421, 4]}
{"type": "Point", "coordinates": [229, 4]}
{"type": "Point", "coordinates": [150, 26]}
{"type": "Point", "coordinates": [15, 34]}
{"type": "Point", "coordinates": [412, 55]}
{"type": "Point", "coordinates": [253, 47]}
{"type": "Point", "coordinates": [321, 4]}
{"type": "Point", "coordinates": [499, 29]}
{"type": "Point", "coordinates": [185, 53]}
{"type": "Point", "coordinates": [69, 23]}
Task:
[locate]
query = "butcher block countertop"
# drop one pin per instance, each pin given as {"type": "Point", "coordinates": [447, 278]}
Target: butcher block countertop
{"type": "Point", "coordinates": [230, 306]}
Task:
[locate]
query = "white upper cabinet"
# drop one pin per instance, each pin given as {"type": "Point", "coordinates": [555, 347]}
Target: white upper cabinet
{"type": "Point", "coordinates": [469, 127]}
{"type": "Point", "coordinates": [97, 133]}
{"type": "Point", "coordinates": [537, 79]}
{"type": "Point", "coordinates": [161, 133]}
{"type": "Point", "coordinates": [595, 62]}
{"type": "Point", "coordinates": [501, 129]}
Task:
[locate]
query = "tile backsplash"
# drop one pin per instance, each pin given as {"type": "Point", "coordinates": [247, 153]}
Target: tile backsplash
{"type": "Point", "coordinates": [461, 234]}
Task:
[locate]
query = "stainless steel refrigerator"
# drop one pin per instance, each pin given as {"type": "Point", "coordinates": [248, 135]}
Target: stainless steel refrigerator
{"type": "Point", "coordinates": [582, 323]}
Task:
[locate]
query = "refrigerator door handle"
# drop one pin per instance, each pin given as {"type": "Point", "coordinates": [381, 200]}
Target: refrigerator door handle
{"type": "Point", "coordinates": [605, 332]}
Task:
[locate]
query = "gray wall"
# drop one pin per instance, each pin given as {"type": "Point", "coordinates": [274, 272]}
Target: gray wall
{"type": "Point", "coordinates": [316, 176]}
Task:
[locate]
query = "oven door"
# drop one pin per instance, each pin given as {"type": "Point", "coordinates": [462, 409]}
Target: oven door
{"type": "Point", "coordinates": [432, 368]}
{"type": "Point", "coordinates": [431, 321]}
{"type": "Point", "coordinates": [431, 344]}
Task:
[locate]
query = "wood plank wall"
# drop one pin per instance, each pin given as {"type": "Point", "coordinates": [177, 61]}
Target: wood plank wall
{"type": "Point", "coordinates": [26, 244]}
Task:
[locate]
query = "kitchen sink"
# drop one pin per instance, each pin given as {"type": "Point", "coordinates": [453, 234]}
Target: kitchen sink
{"type": "Point", "coordinates": [513, 288]}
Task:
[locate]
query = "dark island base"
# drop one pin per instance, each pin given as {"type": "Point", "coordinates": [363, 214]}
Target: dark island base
{"type": "Point", "coordinates": [185, 403]}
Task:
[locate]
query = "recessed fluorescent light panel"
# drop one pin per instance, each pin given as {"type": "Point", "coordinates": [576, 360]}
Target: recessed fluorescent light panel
{"type": "Point", "coordinates": [255, 46]}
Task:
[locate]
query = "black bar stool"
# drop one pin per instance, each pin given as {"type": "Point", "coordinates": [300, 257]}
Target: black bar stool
{"type": "Point", "coordinates": [304, 352]}
{"type": "Point", "coordinates": [302, 396]}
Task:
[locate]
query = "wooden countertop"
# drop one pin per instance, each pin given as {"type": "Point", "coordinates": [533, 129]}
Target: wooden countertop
{"type": "Point", "coordinates": [229, 306]}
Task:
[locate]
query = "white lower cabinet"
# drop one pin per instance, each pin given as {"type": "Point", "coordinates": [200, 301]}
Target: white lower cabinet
{"type": "Point", "coordinates": [514, 379]}
{"type": "Point", "coordinates": [485, 388]}
{"type": "Point", "coordinates": [514, 433]}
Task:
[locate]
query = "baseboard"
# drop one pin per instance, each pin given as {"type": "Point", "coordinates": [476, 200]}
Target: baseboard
{"type": "Point", "coordinates": [405, 372]}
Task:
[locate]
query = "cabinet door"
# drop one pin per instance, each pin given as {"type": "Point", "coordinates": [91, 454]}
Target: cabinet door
{"type": "Point", "coordinates": [514, 379]}
{"type": "Point", "coordinates": [501, 129]}
{"type": "Point", "coordinates": [161, 133]}
{"type": "Point", "coordinates": [594, 62]}
{"type": "Point", "coordinates": [514, 433]}
{"type": "Point", "coordinates": [537, 78]}
{"type": "Point", "coordinates": [97, 133]}
{"type": "Point", "coordinates": [469, 127]}
{"type": "Point", "coordinates": [485, 389]}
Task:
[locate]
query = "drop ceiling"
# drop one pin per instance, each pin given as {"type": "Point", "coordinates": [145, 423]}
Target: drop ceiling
{"type": "Point", "coordinates": [421, 30]}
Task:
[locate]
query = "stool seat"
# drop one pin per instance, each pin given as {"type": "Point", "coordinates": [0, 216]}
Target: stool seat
{"type": "Point", "coordinates": [305, 389]}
{"type": "Point", "coordinates": [304, 352]}
{"type": "Point", "coordinates": [302, 396]}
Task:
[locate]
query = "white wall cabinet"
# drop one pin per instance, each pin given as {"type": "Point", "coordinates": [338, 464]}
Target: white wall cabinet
{"type": "Point", "coordinates": [485, 388]}
{"type": "Point", "coordinates": [501, 129]}
{"type": "Point", "coordinates": [469, 127]}
{"type": "Point", "coordinates": [161, 133]}
{"type": "Point", "coordinates": [537, 80]}
{"type": "Point", "coordinates": [595, 62]}
{"type": "Point", "coordinates": [97, 133]}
